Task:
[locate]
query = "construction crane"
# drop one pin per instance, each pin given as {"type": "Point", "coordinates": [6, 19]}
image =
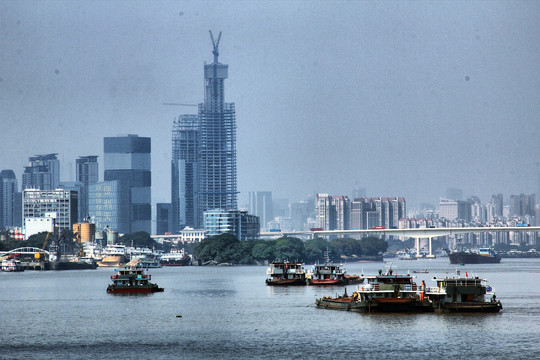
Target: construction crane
{"type": "Point", "coordinates": [215, 44]}
{"type": "Point", "coordinates": [38, 255]}
{"type": "Point", "coordinates": [78, 240]}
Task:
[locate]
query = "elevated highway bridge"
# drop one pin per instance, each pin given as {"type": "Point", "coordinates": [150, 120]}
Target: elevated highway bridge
{"type": "Point", "coordinates": [418, 233]}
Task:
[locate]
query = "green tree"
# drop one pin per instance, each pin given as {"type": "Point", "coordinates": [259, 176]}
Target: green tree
{"type": "Point", "coordinates": [314, 250]}
{"type": "Point", "coordinates": [347, 246]}
{"type": "Point", "coordinates": [372, 246]}
{"type": "Point", "coordinates": [38, 240]}
{"type": "Point", "coordinates": [219, 248]}
{"type": "Point", "coordinates": [264, 250]}
{"type": "Point", "coordinates": [289, 248]}
{"type": "Point", "coordinates": [139, 239]}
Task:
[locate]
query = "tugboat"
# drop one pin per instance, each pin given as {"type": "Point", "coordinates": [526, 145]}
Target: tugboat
{"type": "Point", "coordinates": [132, 280]}
{"type": "Point", "coordinates": [284, 273]}
{"type": "Point", "coordinates": [330, 274]}
{"type": "Point", "coordinates": [482, 256]}
{"type": "Point", "coordinates": [463, 294]}
{"type": "Point", "coordinates": [381, 293]}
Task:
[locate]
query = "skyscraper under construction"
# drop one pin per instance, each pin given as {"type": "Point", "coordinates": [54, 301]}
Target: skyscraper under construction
{"type": "Point", "coordinates": [206, 181]}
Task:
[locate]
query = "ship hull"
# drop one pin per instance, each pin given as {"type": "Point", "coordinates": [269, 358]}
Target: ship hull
{"type": "Point", "coordinates": [286, 282]}
{"type": "Point", "coordinates": [133, 290]}
{"type": "Point", "coordinates": [472, 258]}
{"type": "Point", "coordinates": [326, 282]}
{"type": "Point", "coordinates": [177, 262]}
{"type": "Point", "coordinates": [73, 265]}
{"type": "Point", "coordinates": [380, 305]}
{"type": "Point", "coordinates": [469, 307]}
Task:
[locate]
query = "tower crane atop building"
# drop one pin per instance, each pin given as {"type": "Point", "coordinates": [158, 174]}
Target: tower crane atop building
{"type": "Point", "coordinates": [215, 44]}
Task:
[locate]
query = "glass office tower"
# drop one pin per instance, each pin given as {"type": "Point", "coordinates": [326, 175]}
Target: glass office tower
{"type": "Point", "coordinates": [185, 147]}
{"type": "Point", "coordinates": [127, 161]}
{"type": "Point", "coordinates": [8, 189]}
{"type": "Point", "coordinates": [87, 174]}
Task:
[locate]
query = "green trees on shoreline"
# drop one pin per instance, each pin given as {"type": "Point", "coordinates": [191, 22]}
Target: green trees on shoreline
{"type": "Point", "coordinates": [225, 248]}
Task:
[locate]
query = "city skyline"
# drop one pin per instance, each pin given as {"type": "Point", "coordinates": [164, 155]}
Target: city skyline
{"type": "Point", "coordinates": [401, 99]}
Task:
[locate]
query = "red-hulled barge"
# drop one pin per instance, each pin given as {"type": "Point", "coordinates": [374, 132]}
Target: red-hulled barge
{"type": "Point", "coordinates": [132, 281]}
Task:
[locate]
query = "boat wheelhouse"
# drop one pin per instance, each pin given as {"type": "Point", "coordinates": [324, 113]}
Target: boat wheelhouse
{"type": "Point", "coordinates": [463, 294]}
{"type": "Point", "coordinates": [284, 273]}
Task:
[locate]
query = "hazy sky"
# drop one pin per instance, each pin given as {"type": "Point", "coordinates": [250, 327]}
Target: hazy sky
{"type": "Point", "coordinates": [402, 98]}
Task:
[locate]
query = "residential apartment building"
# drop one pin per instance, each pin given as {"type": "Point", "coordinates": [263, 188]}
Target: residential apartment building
{"type": "Point", "coordinates": [42, 172]}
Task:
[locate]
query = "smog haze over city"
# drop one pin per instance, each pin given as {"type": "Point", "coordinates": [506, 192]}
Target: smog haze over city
{"type": "Point", "coordinates": [400, 98]}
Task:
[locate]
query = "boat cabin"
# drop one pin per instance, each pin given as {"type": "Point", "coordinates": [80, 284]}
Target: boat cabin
{"type": "Point", "coordinates": [131, 277]}
{"type": "Point", "coordinates": [327, 272]}
{"type": "Point", "coordinates": [388, 285]}
{"type": "Point", "coordinates": [458, 290]}
{"type": "Point", "coordinates": [286, 269]}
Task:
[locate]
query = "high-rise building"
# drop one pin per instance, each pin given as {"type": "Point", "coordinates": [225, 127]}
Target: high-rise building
{"type": "Point", "coordinates": [521, 205]}
{"type": "Point", "coordinates": [342, 208]}
{"type": "Point", "coordinates": [377, 211]}
{"type": "Point", "coordinates": [454, 209]}
{"type": "Point", "coordinates": [260, 204]}
{"type": "Point", "coordinates": [163, 218]}
{"type": "Point", "coordinates": [62, 205]}
{"type": "Point", "coordinates": [42, 172]}
{"type": "Point", "coordinates": [108, 206]}
{"type": "Point", "coordinates": [236, 222]}
{"type": "Point", "coordinates": [184, 170]}
{"type": "Point", "coordinates": [303, 214]}
{"type": "Point", "coordinates": [8, 191]}
{"type": "Point", "coordinates": [87, 174]}
{"type": "Point", "coordinates": [326, 217]}
{"type": "Point", "coordinates": [127, 161]}
{"type": "Point", "coordinates": [217, 141]}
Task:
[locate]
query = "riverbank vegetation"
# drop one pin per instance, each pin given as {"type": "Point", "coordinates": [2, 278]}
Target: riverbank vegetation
{"type": "Point", "coordinates": [226, 248]}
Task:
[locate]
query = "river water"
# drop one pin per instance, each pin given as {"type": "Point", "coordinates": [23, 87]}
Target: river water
{"type": "Point", "coordinates": [229, 313]}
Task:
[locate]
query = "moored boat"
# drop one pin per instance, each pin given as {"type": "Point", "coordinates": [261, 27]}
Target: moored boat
{"type": "Point", "coordinates": [74, 264]}
{"type": "Point", "coordinates": [12, 265]}
{"type": "Point", "coordinates": [175, 258]}
{"type": "Point", "coordinates": [284, 273]}
{"type": "Point", "coordinates": [112, 261]}
{"type": "Point", "coordinates": [463, 294]}
{"type": "Point", "coordinates": [482, 256]}
{"type": "Point", "coordinates": [132, 280]}
{"type": "Point", "coordinates": [330, 274]}
{"type": "Point", "coordinates": [381, 293]}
